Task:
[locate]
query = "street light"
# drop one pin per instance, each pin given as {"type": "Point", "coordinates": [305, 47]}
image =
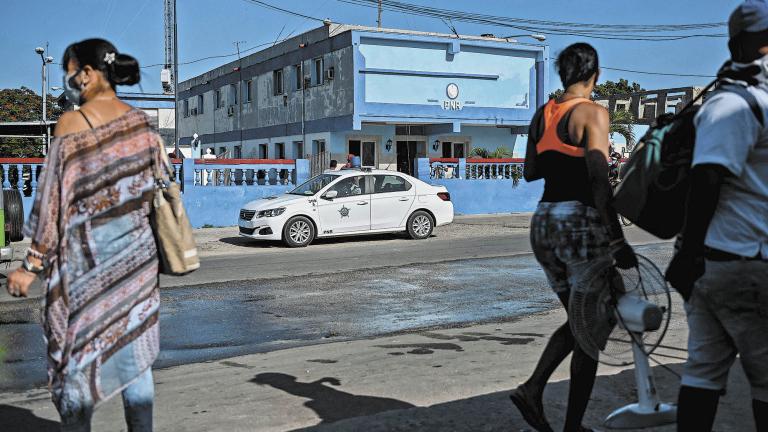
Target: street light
{"type": "Point", "coordinates": [538, 37]}
{"type": "Point", "coordinates": [45, 60]}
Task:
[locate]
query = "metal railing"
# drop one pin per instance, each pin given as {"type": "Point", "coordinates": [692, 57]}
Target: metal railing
{"type": "Point", "coordinates": [244, 172]}
{"type": "Point", "coordinates": [476, 169]}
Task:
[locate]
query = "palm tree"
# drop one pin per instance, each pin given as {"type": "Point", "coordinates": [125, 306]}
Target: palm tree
{"type": "Point", "coordinates": [483, 153]}
{"type": "Point", "coordinates": [621, 123]}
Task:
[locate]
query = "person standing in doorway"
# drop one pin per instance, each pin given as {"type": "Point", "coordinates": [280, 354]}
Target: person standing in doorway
{"type": "Point", "coordinates": [93, 243]}
{"type": "Point", "coordinates": [574, 224]}
{"type": "Point", "coordinates": [721, 267]}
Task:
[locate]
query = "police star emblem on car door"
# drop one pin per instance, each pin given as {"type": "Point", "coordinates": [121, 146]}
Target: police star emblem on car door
{"type": "Point", "coordinates": [344, 211]}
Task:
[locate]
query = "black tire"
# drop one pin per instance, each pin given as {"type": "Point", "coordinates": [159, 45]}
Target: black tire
{"type": "Point", "coordinates": [14, 214]}
{"type": "Point", "coordinates": [298, 232]}
{"type": "Point", "coordinates": [420, 225]}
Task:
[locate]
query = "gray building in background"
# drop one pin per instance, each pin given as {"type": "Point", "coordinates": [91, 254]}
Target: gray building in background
{"type": "Point", "coordinates": [386, 95]}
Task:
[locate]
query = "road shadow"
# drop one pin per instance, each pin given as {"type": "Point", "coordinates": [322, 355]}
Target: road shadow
{"type": "Point", "coordinates": [494, 412]}
{"type": "Point", "coordinates": [268, 244]}
{"type": "Point", "coordinates": [330, 404]}
{"type": "Point", "coordinates": [23, 420]}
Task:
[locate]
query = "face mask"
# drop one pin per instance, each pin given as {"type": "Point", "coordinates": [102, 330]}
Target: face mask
{"type": "Point", "coordinates": [752, 73]}
{"type": "Point", "coordinates": [73, 91]}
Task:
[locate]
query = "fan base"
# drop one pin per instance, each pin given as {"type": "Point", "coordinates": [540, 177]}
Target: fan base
{"type": "Point", "coordinates": [634, 416]}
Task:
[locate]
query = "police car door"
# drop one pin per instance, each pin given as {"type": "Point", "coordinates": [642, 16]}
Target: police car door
{"type": "Point", "coordinates": [349, 210]}
{"type": "Point", "coordinates": [391, 201]}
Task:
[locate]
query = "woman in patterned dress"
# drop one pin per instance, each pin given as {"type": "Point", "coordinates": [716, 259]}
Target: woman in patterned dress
{"type": "Point", "coordinates": [94, 246]}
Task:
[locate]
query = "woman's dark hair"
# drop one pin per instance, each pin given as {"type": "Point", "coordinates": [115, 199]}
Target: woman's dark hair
{"type": "Point", "coordinates": [119, 69]}
{"type": "Point", "coordinates": [577, 63]}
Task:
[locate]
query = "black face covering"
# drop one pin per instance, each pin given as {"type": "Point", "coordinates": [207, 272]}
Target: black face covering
{"type": "Point", "coordinates": [745, 46]}
{"type": "Point", "coordinates": [73, 90]}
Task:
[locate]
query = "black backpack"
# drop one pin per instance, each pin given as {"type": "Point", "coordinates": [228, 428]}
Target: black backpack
{"type": "Point", "coordinates": [654, 188]}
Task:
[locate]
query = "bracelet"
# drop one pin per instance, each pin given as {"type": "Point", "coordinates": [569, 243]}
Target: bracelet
{"type": "Point", "coordinates": [35, 254]}
{"type": "Point", "coordinates": [31, 268]}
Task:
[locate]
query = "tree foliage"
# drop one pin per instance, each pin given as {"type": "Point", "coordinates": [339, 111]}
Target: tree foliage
{"type": "Point", "coordinates": [23, 104]}
{"type": "Point", "coordinates": [483, 153]}
{"type": "Point", "coordinates": [608, 88]}
{"type": "Point", "coordinates": [621, 123]}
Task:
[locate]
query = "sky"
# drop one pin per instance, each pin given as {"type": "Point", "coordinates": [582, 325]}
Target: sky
{"type": "Point", "coordinates": [210, 27]}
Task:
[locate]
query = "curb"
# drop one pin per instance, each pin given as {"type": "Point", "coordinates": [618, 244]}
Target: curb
{"type": "Point", "coordinates": [22, 311]}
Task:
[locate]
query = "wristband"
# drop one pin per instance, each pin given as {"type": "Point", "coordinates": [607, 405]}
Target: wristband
{"type": "Point", "coordinates": [31, 268]}
{"type": "Point", "coordinates": [35, 254]}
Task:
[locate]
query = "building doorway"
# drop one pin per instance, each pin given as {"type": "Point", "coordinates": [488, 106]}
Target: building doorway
{"type": "Point", "coordinates": [365, 149]}
{"type": "Point", "coordinates": [407, 153]}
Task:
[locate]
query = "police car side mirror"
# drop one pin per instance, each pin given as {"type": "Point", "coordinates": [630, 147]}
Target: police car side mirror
{"type": "Point", "coordinates": [330, 195]}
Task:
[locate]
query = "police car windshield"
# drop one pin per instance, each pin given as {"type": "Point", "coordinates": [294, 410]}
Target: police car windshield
{"type": "Point", "coordinates": [313, 185]}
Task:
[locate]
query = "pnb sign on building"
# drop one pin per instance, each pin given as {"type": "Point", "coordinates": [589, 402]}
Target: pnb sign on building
{"type": "Point", "coordinates": [388, 96]}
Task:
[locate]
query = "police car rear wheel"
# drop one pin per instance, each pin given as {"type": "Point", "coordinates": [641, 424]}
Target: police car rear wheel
{"type": "Point", "coordinates": [420, 225]}
{"type": "Point", "coordinates": [298, 232]}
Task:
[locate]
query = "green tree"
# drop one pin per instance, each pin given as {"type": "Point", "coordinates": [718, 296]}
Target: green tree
{"type": "Point", "coordinates": [608, 88]}
{"type": "Point", "coordinates": [483, 153]}
{"type": "Point", "coordinates": [24, 104]}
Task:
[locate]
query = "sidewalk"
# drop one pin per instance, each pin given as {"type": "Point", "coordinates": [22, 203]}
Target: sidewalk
{"type": "Point", "coordinates": [437, 380]}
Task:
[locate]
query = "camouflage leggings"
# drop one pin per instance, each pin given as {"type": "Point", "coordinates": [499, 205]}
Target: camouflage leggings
{"type": "Point", "coordinates": [564, 236]}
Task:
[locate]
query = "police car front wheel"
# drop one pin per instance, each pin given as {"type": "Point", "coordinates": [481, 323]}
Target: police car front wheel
{"type": "Point", "coordinates": [298, 232]}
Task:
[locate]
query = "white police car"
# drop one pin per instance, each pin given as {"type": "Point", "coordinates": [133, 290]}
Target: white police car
{"type": "Point", "coordinates": [348, 202]}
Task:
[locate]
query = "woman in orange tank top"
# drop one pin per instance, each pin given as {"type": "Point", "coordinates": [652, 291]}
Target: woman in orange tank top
{"type": "Point", "coordinates": [574, 223]}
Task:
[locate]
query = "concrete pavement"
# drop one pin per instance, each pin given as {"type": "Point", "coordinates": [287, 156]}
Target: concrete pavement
{"type": "Point", "coordinates": [436, 380]}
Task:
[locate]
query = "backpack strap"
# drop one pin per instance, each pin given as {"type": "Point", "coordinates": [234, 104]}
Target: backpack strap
{"type": "Point", "coordinates": [754, 105]}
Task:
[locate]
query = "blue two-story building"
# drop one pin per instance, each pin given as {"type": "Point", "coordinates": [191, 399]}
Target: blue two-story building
{"type": "Point", "coordinates": [388, 96]}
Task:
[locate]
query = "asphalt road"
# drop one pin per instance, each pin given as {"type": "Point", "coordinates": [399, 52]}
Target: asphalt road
{"type": "Point", "coordinates": [259, 260]}
{"type": "Point", "coordinates": [328, 292]}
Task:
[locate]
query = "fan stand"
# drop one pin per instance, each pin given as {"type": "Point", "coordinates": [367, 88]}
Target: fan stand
{"type": "Point", "coordinates": [648, 411]}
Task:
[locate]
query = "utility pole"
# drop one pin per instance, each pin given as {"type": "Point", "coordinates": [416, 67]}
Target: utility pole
{"type": "Point", "coordinates": [170, 73]}
{"type": "Point", "coordinates": [378, 21]}
{"type": "Point", "coordinates": [241, 99]}
{"type": "Point", "coordinates": [46, 59]}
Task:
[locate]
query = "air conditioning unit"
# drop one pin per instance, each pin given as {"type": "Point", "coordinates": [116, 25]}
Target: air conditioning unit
{"type": "Point", "coordinates": [231, 110]}
{"type": "Point", "coordinates": [330, 73]}
{"type": "Point", "coordinates": [193, 111]}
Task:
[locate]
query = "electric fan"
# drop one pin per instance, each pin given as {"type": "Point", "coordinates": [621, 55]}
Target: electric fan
{"type": "Point", "coordinates": [620, 317]}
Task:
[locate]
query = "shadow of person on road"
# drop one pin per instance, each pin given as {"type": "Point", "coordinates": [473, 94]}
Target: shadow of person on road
{"type": "Point", "coordinates": [331, 405]}
{"type": "Point", "coordinates": [23, 420]}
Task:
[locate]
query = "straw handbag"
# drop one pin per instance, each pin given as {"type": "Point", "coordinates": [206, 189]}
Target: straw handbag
{"type": "Point", "coordinates": [173, 233]}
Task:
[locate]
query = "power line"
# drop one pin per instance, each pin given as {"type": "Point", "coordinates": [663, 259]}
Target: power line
{"type": "Point", "coordinates": [589, 30]}
{"type": "Point", "coordinates": [658, 73]}
{"type": "Point", "coordinates": [286, 11]}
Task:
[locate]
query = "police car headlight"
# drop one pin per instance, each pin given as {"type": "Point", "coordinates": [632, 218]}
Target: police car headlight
{"type": "Point", "coordinates": [271, 212]}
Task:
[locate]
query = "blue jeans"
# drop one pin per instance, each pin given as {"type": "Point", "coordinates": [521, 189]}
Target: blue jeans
{"type": "Point", "coordinates": [137, 403]}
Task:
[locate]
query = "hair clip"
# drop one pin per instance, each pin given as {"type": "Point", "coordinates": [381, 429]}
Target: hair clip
{"type": "Point", "coordinates": [109, 58]}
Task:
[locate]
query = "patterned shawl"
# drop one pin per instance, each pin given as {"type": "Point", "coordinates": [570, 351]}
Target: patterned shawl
{"type": "Point", "coordinates": [91, 214]}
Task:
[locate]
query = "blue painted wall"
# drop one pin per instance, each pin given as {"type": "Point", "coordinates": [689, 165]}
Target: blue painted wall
{"type": "Point", "coordinates": [492, 196]}
{"type": "Point", "coordinates": [220, 205]}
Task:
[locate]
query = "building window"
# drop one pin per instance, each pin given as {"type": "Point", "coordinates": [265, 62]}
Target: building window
{"type": "Point", "coordinates": [248, 91]}
{"type": "Point", "coordinates": [233, 94]}
{"type": "Point", "coordinates": [318, 146]}
{"type": "Point", "coordinates": [238, 154]}
{"type": "Point", "coordinates": [299, 76]}
{"type": "Point", "coordinates": [279, 151]}
{"type": "Point", "coordinates": [186, 107]}
{"type": "Point", "coordinates": [263, 151]}
{"type": "Point", "coordinates": [200, 101]}
{"type": "Point", "coordinates": [219, 102]}
{"type": "Point", "coordinates": [298, 149]}
{"type": "Point", "coordinates": [222, 152]}
{"type": "Point", "coordinates": [277, 81]}
{"type": "Point", "coordinates": [317, 71]}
